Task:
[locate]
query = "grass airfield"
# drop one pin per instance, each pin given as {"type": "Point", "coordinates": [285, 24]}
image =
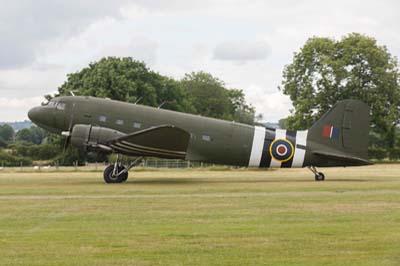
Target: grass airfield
{"type": "Point", "coordinates": [200, 217]}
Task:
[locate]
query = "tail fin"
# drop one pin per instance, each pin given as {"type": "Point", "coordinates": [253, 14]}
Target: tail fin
{"type": "Point", "coordinates": [342, 133]}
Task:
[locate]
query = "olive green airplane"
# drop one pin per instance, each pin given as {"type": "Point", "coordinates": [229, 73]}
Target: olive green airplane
{"type": "Point", "coordinates": [338, 138]}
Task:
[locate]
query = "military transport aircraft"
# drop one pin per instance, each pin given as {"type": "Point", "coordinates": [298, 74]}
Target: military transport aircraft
{"type": "Point", "coordinates": [338, 138]}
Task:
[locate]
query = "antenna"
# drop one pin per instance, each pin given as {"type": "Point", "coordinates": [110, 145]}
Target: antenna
{"type": "Point", "coordinates": [138, 100]}
{"type": "Point", "coordinates": [72, 93]}
{"type": "Point", "coordinates": [161, 105]}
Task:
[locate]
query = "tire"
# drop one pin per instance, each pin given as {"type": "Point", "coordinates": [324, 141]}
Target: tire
{"type": "Point", "coordinates": [110, 179]}
{"type": "Point", "coordinates": [319, 177]}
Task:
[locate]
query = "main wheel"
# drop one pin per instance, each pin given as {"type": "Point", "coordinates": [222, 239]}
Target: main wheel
{"type": "Point", "coordinates": [319, 177]}
{"type": "Point", "coordinates": [109, 176]}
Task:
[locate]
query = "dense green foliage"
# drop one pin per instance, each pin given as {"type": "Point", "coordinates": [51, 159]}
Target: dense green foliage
{"type": "Point", "coordinates": [34, 151]}
{"type": "Point", "coordinates": [33, 135]}
{"type": "Point", "coordinates": [209, 97]}
{"type": "Point", "coordinates": [8, 159]}
{"type": "Point", "coordinates": [128, 80]}
{"type": "Point", "coordinates": [6, 132]}
{"type": "Point", "coordinates": [356, 67]}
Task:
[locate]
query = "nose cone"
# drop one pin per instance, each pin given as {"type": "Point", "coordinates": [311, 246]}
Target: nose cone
{"type": "Point", "coordinates": [40, 116]}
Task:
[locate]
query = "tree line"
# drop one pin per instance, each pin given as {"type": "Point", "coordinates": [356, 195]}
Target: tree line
{"type": "Point", "coordinates": [128, 80]}
{"type": "Point", "coordinates": [322, 73]}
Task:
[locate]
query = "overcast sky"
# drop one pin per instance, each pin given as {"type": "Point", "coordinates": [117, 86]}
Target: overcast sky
{"type": "Point", "coordinates": [244, 43]}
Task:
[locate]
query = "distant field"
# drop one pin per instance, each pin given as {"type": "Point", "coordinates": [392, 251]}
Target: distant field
{"type": "Point", "coordinates": [198, 217]}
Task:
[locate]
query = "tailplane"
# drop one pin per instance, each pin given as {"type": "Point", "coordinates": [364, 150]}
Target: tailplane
{"type": "Point", "coordinates": [340, 136]}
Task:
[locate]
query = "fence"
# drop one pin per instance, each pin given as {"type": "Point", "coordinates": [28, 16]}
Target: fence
{"type": "Point", "coordinates": [148, 163]}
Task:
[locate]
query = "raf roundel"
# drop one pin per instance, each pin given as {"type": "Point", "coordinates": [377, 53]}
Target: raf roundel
{"type": "Point", "coordinates": [281, 150]}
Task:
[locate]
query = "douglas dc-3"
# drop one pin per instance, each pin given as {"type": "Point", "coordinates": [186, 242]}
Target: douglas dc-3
{"type": "Point", "coordinates": [338, 138]}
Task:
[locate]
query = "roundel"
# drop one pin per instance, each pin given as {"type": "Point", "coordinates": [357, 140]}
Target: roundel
{"type": "Point", "coordinates": [281, 150]}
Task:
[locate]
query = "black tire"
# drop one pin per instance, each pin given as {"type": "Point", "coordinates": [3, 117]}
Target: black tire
{"type": "Point", "coordinates": [125, 177]}
{"type": "Point", "coordinates": [109, 178]}
{"type": "Point", "coordinates": [319, 177]}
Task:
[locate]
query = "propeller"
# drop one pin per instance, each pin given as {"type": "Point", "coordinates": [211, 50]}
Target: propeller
{"type": "Point", "coordinates": [67, 134]}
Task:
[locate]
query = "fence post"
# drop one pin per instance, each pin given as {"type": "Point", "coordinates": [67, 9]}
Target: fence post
{"type": "Point", "coordinates": [21, 165]}
{"type": "Point", "coordinates": [76, 166]}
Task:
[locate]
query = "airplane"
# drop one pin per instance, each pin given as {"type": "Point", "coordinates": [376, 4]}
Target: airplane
{"type": "Point", "coordinates": [338, 138]}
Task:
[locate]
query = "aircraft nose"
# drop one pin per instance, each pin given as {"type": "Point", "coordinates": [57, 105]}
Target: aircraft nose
{"type": "Point", "coordinates": [39, 115]}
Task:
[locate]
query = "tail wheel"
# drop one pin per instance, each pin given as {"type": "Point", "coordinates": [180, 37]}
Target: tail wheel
{"type": "Point", "coordinates": [319, 176]}
{"type": "Point", "coordinates": [111, 176]}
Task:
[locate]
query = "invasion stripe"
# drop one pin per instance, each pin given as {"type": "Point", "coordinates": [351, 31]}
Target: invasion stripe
{"type": "Point", "coordinates": [291, 136]}
{"type": "Point", "coordinates": [299, 153]}
{"type": "Point", "coordinates": [257, 147]}
{"type": "Point", "coordinates": [279, 134]}
{"type": "Point", "coordinates": [266, 156]}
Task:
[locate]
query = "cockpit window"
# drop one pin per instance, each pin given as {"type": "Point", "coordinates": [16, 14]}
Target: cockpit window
{"type": "Point", "coordinates": [52, 103]}
{"type": "Point", "coordinates": [60, 106]}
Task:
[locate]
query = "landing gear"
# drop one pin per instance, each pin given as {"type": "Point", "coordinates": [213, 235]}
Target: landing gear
{"type": "Point", "coordinates": [114, 174]}
{"type": "Point", "coordinates": [117, 173]}
{"type": "Point", "coordinates": [318, 175]}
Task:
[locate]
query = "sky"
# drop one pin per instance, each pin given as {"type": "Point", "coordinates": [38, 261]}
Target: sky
{"type": "Point", "coordinates": [244, 43]}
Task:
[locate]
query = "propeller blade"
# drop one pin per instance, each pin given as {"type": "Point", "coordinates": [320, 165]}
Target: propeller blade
{"type": "Point", "coordinates": [68, 133]}
{"type": "Point", "coordinates": [66, 143]}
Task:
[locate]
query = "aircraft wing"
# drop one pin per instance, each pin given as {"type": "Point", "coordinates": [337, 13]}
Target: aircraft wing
{"type": "Point", "coordinates": [162, 141]}
{"type": "Point", "coordinates": [342, 157]}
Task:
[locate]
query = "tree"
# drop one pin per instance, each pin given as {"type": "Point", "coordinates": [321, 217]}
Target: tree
{"type": "Point", "coordinates": [356, 67]}
{"type": "Point", "coordinates": [3, 144]}
{"type": "Point", "coordinates": [33, 135]}
{"type": "Point", "coordinates": [6, 132]}
{"type": "Point", "coordinates": [125, 79]}
{"type": "Point", "coordinates": [209, 97]}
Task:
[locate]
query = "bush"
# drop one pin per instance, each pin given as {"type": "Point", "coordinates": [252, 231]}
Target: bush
{"type": "Point", "coordinates": [36, 152]}
{"type": "Point", "coordinates": [7, 159]}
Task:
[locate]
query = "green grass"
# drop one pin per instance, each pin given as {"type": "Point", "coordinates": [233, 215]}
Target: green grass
{"type": "Point", "coordinates": [188, 217]}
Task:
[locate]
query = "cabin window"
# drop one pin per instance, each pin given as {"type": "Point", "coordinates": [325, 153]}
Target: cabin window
{"type": "Point", "coordinates": [137, 125]}
{"type": "Point", "coordinates": [60, 106]}
{"type": "Point", "coordinates": [119, 122]}
{"type": "Point", "coordinates": [102, 118]}
{"type": "Point", "coordinates": [206, 138]}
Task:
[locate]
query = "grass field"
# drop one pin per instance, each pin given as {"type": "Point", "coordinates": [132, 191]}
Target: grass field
{"type": "Point", "coordinates": [189, 217]}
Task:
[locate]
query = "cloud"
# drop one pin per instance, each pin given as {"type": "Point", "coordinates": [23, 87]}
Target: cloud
{"type": "Point", "coordinates": [241, 51]}
{"type": "Point", "coordinates": [43, 40]}
{"type": "Point", "coordinates": [17, 108]}
{"type": "Point", "coordinates": [139, 47]}
{"type": "Point", "coordinates": [26, 25]}
{"type": "Point", "coordinates": [273, 105]}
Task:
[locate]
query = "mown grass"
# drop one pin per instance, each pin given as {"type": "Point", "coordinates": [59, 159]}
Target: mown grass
{"type": "Point", "coordinates": [188, 217]}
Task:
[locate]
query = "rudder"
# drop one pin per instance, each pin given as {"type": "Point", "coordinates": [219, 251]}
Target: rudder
{"type": "Point", "coordinates": [343, 130]}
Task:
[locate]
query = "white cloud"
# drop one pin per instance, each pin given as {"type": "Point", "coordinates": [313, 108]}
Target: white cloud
{"type": "Point", "coordinates": [41, 41]}
{"type": "Point", "coordinates": [139, 47]}
{"type": "Point", "coordinates": [17, 108]}
{"type": "Point", "coordinates": [273, 105]}
{"type": "Point", "coordinates": [241, 50]}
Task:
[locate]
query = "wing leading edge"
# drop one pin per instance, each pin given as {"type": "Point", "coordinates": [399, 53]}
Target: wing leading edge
{"type": "Point", "coordinates": [165, 141]}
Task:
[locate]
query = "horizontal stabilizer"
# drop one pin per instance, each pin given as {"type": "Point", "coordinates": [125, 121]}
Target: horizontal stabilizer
{"type": "Point", "coordinates": [162, 141]}
{"type": "Point", "coordinates": [350, 160]}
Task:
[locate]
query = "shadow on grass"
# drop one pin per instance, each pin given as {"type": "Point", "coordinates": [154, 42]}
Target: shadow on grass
{"type": "Point", "coordinates": [174, 181]}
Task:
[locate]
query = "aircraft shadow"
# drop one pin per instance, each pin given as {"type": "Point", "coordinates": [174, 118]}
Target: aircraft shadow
{"type": "Point", "coordinates": [174, 181]}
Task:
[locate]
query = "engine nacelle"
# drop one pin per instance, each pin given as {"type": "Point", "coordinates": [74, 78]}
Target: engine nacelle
{"type": "Point", "coordinates": [88, 137]}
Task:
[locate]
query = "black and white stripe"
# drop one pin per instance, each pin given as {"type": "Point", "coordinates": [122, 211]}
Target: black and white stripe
{"type": "Point", "coordinates": [260, 153]}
